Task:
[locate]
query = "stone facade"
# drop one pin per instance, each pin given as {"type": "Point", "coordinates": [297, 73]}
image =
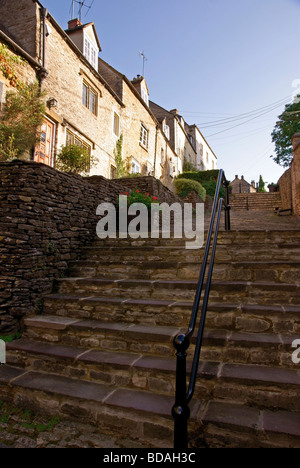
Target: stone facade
{"type": "Point", "coordinates": [89, 103]}
{"type": "Point", "coordinates": [240, 185]}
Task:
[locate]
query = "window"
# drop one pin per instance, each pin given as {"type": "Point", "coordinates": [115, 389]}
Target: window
{"type": "Point", "coordinates": [201, 149]}
{"type": "Point", "coordinates": [207, 157]}
{"type": "Point", "coordinates": [90, 52]}
{"type": "Point", "coordinates": [213, 164]}
{"type": "Point", "coordinates": [89, 98]}
{"type": "Point", "coordinates": [116, 124]}
{"type": "Point", "coordinates": [113, 172]}
{"type": "Point", "coordinates": [144, 136]}
{"type": "Point", "coordinates": [166, 130]}
{"type": "Point", "coordinates": [135, 167]}
{"type": "Point", "coordinates": [73, 139]}
{"type": "Point", "coordinates": [145, 96]}
{"type": "Point", "coordinates": [162, 157]}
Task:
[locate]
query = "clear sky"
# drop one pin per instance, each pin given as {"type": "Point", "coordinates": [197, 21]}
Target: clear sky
{"type": "Point", "coordinates": [227, 65]}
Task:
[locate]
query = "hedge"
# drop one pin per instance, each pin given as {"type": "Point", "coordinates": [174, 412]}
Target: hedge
{"type": "Point", "coordinates": [185, 186]}
{"type": "Point", "coordinates": [208, 180]}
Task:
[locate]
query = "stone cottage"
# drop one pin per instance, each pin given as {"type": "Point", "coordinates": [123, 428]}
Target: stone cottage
{"type": "Point", "coordinates": [91, 104]}
{"type": "Point", "coordinates": [240, 185]}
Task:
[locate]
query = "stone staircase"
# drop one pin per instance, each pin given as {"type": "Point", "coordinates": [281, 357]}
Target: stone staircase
{"type": "Point", "coordinates": [255, 201]}
{"type": "Point", "coordinates": [102, 349]}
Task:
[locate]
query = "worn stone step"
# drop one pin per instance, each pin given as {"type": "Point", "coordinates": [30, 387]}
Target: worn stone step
{"type": "Point", "coordinates": [147, 417]}
{"type": "Point", "coordinates": [218, 344]}
{"type": "Point", "coordinates": [225, 252]}
{"type": "Point", "coordinates": [279, 271]}
{"type": "Point", "coordinates": [166, 294]}
{"type": "Point", "coordinates": [233, 425]}
{"type": "Point", "coordinates": [110, 336]}
{"type": "Point", "coordinates": [248, 384]}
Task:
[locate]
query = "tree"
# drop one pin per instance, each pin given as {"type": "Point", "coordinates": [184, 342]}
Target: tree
{"type": "Point", "coordinates": [20, 120]}
{"type": "Point", "coordinates": [287, 125]}
{"type": "Point", "coordinates": [261, 185]}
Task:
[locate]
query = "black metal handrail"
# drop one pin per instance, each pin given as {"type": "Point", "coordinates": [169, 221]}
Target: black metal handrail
{"type": "Point", "coordinates": [183, 396]}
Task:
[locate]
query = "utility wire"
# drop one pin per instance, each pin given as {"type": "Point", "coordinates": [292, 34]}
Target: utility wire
{"type": "Point", "coordinates": [243, 123]}
{"type": "Point", "coordinates": [258, 112]}
{"type": "Point", "coordinates": [235, 117]}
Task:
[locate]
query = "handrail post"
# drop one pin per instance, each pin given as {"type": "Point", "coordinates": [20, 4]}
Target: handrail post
{"type": "Point", "coordinates": [227, 206]}
{"type": "Point", "coordinates": [181, 410]}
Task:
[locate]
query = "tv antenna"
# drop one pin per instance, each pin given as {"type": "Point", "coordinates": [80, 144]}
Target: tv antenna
{"type": "Point", "coordinates": [144, 60]}
{"type": "Point", "coordinates": [81, 4]}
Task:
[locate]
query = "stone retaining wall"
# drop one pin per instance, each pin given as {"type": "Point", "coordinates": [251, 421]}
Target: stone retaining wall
{"type": "Point", "coordinates": [46, 218]}
{"type": "Point", "coordinates": [289, 183]}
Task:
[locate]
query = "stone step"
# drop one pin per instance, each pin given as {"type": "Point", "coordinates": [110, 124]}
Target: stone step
{"type": "Point", "coordinates": [277, 271]}
{"type": "Point", "coordinates": [225, 252]}
{"type": "Point", "coordinates": [248, 384]}
{"type": "Point", "coordinates": [230, 425]}
{"type": "Point", "coordinates": [166, 295]}
{"type": "Point", "coordinates": [145, 416]}
{"type": "Point", "coordinates": [218, 344]}
{"type": "Point", "coordinates": [236, 237]}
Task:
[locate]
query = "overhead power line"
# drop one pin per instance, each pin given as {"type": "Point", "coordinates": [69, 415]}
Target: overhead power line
{"type": "Point", "coordinates": [229, 120]}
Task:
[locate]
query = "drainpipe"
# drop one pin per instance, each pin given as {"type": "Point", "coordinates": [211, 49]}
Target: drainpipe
{"type": "Point", "coordinates": [44, 15]}
{"type": "Point", "coordinates": [155, 150]}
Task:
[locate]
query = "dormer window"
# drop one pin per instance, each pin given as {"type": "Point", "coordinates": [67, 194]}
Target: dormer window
{"type": "Point", "coordinates": [145, 96]}
{"type": "Point", "coordinates": [90, 52]}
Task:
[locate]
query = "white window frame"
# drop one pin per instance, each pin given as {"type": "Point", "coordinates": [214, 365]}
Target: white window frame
{"type": "Point", "coordinates": [145, 96]}
{"type": "Point", "coordinates": [144, 136]}
{"type": "Point", "coordinates": [135, 167]}
{"type": "Point", "coordinates": [166, 130]}
{"type": "Point", "coordinates": [90, 52]}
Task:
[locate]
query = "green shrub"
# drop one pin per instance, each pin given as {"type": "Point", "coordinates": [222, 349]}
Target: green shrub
{"type": "Point", "coordinates": [185, 186]}
{"type": "Point", "coordinates": [208, 179]}
{"type": "Point", "coordinates": [74, 158]}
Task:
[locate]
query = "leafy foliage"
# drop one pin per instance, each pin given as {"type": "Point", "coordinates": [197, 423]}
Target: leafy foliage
{"type": "Point", "coordinates": [185, 186]}
{"type": "Point", "coordinates": [286, 127]}
{"type": "Point", "coordinates": [74, 158]}
{"type": "Point", "coordinates": [135, 196]}
{"type": "Point", "coordinates": [208, 180]}
{"type": "Point", "coordinates": [120, 168]}
{"type": "Point", "coordinates": [19, 122]}
{"type": "Point", "coordinates": [261, 185]}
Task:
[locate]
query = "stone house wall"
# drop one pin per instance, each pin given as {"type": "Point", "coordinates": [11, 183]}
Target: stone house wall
{"type": "Point", "coordinates": [20, 18]}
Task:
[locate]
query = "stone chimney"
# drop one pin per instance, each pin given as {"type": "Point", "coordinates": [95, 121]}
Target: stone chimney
{"type": "Point", "coordinates": [74, 23]}
{"type": "Point", "coordinates": [174, 111]}
{"type": "Point", "coordinates": [236, 177]}
{"type": "Point", "coordinates": [242, 177]}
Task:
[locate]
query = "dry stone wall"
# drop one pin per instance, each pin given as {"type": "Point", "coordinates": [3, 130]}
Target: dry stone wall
{"type": "Point", "coordinates": [46, 218]}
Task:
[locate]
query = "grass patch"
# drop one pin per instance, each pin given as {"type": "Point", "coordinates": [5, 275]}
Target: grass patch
{"type": "Point", "coordinates": [10, 338]}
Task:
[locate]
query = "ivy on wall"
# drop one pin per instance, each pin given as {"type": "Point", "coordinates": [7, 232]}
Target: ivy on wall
{"type": "Point", "coordinates": [7, 63]}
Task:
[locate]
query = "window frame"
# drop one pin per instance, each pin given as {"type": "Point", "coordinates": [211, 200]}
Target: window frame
{"type": "Point", "coordinates": [137, 165]}
{"type": "Point", "coordinates": [89, 98]}
{"type": "Point", "coordinates": [73, 139]}
{"type": "Point", "coordinates": [144, 136]}
{"type": "Point", "coordinates": [90, 51]}
{"type": "Point", "coordinates": [117, 134]}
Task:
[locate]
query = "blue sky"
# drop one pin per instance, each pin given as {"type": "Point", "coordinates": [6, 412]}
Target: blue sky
{"type": "Point", "coordinates": [210, 59]}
